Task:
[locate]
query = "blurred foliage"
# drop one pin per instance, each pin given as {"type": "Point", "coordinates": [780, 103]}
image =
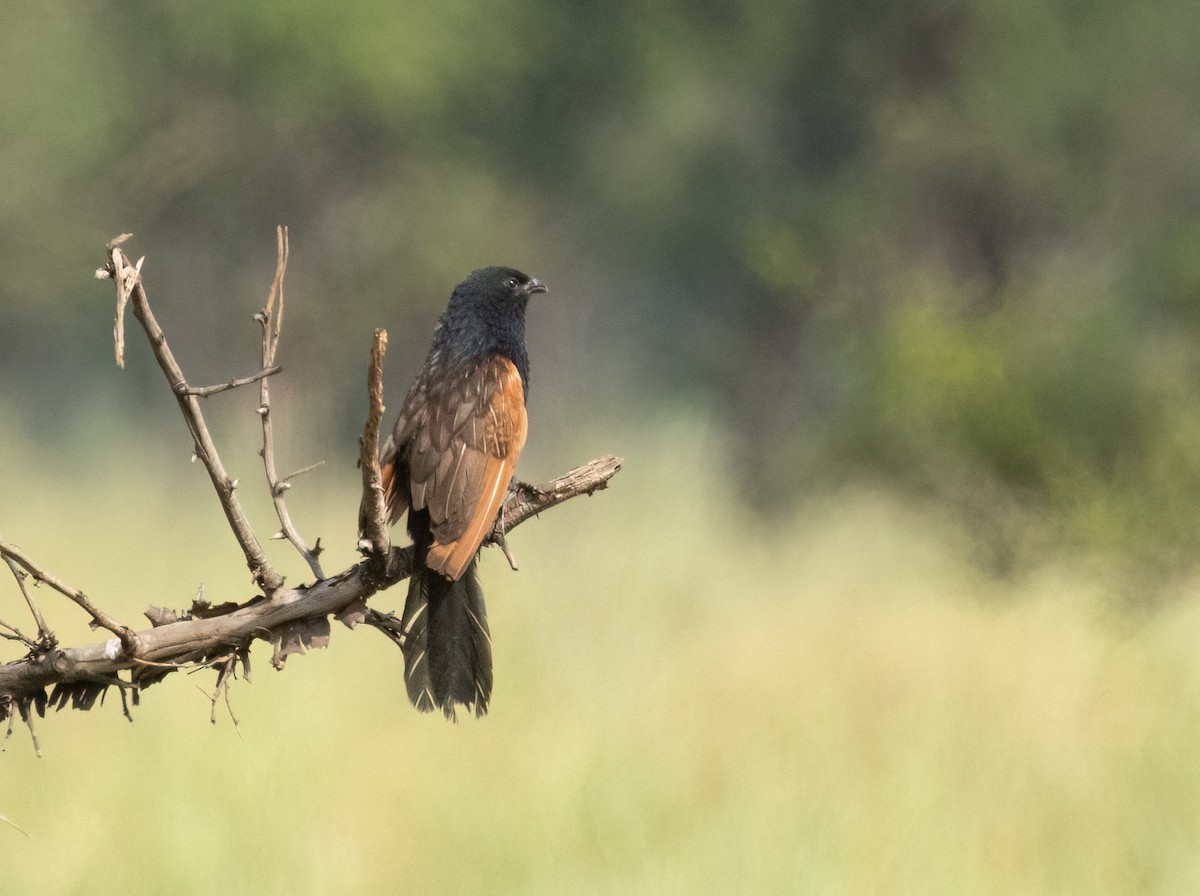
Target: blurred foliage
{"type": "Point", "coordinates": [948, 243]}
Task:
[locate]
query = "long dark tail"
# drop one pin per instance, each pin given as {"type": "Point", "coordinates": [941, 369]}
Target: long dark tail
{"type": "Point", "coordinates": [447, 648]}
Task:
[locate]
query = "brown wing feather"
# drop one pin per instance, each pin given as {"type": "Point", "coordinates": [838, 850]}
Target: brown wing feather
{"type": "Point", "coordinates": [394, 499]}
{"type": "Point", "coordinates": [393, 462]}
{"type": "Point", "coordinates": [488, 442]}
{"type": "Point", "coordinates": [454, 449]}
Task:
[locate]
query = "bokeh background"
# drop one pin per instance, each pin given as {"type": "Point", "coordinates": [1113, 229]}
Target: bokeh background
{"type": "Point", "coordinates": [893, 310]}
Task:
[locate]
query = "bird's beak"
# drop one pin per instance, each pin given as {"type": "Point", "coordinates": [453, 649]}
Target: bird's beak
{"type": "Point", "coordinates": [535, 285]}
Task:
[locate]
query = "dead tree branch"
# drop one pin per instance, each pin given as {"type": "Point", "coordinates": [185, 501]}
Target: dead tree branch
{"type": "Point", "coordinates": [196, 638]}
{"type": "Point", "coordinates": [45, 636]}
{"type": "Point", "coordinates": [291, 619]}
{"type": "Point", "coordinates": [372, 514]}
{"type": "Point", "coordinates": [126, 636]}
{"type": "Point", "coordinates": [128, 280]}
{"type": "Point", "coordinates": [271, 319]}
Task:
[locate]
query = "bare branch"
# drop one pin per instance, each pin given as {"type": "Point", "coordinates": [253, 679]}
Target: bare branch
{"type": "Point", "coordinates": [276, 293]}
{"type": "Point", "coordinates": [205, 391]}
{"type": "Point", "coordinates": [205, 639]}
{"type": "Point", "coordinates": [526, 500]}
{"type": "Point", "coordinates": [129, 283]}
{"type": "Point", "coordinates": [126, 635]}
{"type": "Point", "coordinates": [44, 633]}
{"type": "Point", "coordinates": [271, 319]}
{"type": "Point", "coordinates": [122, 299]}
{"type": "Point", "coordinates": [13, 633]}
{"type": "Point", "coordinates": [375, 538]}
{"type": "Point", "coordinates": [285, 482]}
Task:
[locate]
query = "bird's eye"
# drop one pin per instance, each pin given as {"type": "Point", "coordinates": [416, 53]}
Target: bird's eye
{"type": "Point", "coordinates": [511, 282]}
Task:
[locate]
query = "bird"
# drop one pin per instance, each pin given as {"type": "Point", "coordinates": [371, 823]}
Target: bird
{"type": "Point", "coordinates": [449, 462]}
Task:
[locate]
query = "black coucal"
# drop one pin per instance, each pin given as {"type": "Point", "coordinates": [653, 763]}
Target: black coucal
{"type": "Point", "coordinates": [449, 462]}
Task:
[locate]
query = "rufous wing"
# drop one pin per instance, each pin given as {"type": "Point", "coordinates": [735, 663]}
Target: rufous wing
{"type": "Point", "coordinates": [461, 458]}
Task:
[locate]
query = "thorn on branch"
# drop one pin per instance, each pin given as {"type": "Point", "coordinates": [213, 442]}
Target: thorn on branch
{"type": "Point", "coordinates": [502, 543]}
{"type": "Point", "coordinates": [27, 718]}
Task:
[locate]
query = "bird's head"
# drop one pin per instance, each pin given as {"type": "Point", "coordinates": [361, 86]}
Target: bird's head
{"type": "Point", "coordinates": [487, 313]}
{"type": "Point", "coordinates": [501, 285]}
{"type": "Point", "coordinates": [491, 296]}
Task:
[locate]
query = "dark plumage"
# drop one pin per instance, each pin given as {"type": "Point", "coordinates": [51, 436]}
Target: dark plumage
{"type": "Point", "coordinates": [449, 462]}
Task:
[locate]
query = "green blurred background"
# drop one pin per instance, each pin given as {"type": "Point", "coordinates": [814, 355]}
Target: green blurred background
{"type": "Point", "coordinates": [893, 310]}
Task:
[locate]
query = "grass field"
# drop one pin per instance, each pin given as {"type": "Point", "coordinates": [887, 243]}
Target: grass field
{"type": "Point", "coordinates": [687, 702]}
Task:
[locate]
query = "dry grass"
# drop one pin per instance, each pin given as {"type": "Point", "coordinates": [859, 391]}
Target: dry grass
{"type": "Point", "coordinates": [685, 704]}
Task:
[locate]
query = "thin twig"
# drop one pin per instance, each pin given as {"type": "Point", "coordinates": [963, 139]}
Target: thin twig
{"type": "Point", "coordinates": [227, 670]}
{"type": "Point", "coordinates": [14, 634]}
{"type": "Point", "coordinates": [124, 703]}
{"type": "Point", "coordinates": [271, 319]}
{"type": "Point", "coordinates": [126, 635]}
{"type": "Point", "coordinates": [29, 723]}
{"type": "Point", "coordinates": [190, 664]}
{"type": "Point", "coordinates": [237, 728]}
{"type": "Point", "coordinates": [44, 633]}
{"type": "Point", "coordinates": [286, 480]}
{"type": "Point", "coordinates": [498, 539]}
{"type": "Point", "coordinates": [372, 515]}
{"type": "Point", "coordinates": [122, 298]}
{"type": "Point", "coordinates": [205, 391]}
{"type": "Point", "coordinates": [15, 827]}
{"type": "Point", "coordinates": [130, 286]}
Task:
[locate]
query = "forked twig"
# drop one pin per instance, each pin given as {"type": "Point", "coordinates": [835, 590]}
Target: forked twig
{"type": "Point", "coordinates": [271, 319]}
{"type": "Point", "coordinates": [44, 634]}
{"type": "Point", "coordinates": [129, 285]}
{"type": "Point", "coordinates": [126, 635]}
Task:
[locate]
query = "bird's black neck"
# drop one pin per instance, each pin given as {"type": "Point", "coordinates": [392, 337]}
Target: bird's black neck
{"type": "Point", "coordinates": [484, 333]}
